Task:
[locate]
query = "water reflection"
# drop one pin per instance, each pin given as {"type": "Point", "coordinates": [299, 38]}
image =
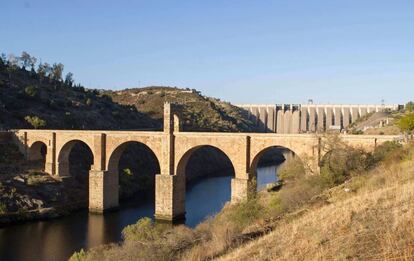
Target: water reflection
{"type": "Point", "coordinates": [58, 239]}
{"type": "Point", "coordinates": [266, 175]}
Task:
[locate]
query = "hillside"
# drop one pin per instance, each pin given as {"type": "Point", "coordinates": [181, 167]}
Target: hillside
{"type": "Point", "coordinates": [378, 123]}
{"type": "Point", "coordinates": [40, 99]}
{"type": "Point", "coordinates": [358, 211]}
{"type": "Point", "coordinates": [199, 113]}
{"type": "Point", "coordinates": [368, 218]}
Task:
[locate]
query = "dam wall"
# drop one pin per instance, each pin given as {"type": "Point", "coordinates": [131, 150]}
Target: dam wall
{"type": "Point", "coordinates": [308, 118]}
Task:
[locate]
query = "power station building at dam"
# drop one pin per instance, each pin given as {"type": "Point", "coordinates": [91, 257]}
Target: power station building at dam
{"type": "Point", "coordinates": [308, 118]}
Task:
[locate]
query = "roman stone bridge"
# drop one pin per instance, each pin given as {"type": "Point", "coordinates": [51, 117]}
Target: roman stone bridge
{"type": "Point", "coordinates": [173, 149]}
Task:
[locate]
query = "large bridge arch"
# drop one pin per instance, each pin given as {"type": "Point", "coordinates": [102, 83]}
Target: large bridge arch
{"type": "Point", "coordinates": [305, 146]}
{"type": "Point", "coordinates": [205, 161]}
{"type": "Point", "coordinates": [184, 160]}
{"type": "Point", "coordinates": [233, 146]}
{"type": "Point", "coordinates": [151, 166]}
{"type": "Point", "coordinates": [117, 143]}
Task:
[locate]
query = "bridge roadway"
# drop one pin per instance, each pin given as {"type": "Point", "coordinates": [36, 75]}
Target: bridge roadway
{"type": "Point", "coordinates": [172, 148]}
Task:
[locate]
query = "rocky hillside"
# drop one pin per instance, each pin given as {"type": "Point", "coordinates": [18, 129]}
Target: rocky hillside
{"type": "Point", "coordinates": [28, 100]}
{"type": "Point", "coordinates": [199, 113]}
{"type": "Point", "coordinates": [35, 99]}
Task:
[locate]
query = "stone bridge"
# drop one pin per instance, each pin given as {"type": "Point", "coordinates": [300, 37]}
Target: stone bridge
{"type": "Point", "coordinates": [172, 149]}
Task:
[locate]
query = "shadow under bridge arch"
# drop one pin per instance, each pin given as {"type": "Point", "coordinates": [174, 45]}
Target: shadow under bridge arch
{"type": "Point", "coordinates": [207, 173]}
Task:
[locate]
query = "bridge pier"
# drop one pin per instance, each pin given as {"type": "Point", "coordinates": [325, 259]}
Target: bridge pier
{"type": "Point", "coordinates": [169, 197]}
{"type": "Point", "coordinates": [103, 191]}
{"type": "Point", "coordinates": [242, 189]}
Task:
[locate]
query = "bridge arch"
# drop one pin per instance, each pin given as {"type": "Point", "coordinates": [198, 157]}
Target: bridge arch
{"type": "Point", "coordinates": [285, 151]}
{"type": "Point", "coordinates": [116, 155]}
{"type": "Point", "coordinates": [202, 162]}
{"type": "Point", "coordinates": [141, 166]}
{"type": "Point", "coordinates": [275, 156]}
{"type": "Point", "coordinates": [185, 158]}
{"type": "Point", "coordinates": [63, 159]}
{"type": "Point", "coordinates": [37, 153]}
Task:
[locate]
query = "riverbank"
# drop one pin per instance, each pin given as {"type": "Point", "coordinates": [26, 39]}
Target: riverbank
{"type": "Point", "coordinates": [313, 211]}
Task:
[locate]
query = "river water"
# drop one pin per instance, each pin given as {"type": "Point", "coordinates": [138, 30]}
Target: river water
{"type": "Point", "coordinates": [57, 239]}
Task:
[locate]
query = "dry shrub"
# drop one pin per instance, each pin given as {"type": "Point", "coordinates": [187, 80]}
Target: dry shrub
{"type": "Point", "coordinates": [291, 169]}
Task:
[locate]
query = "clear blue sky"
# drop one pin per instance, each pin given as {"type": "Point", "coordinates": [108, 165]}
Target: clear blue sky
{"type": "Point", "coordinates": [348, 51]}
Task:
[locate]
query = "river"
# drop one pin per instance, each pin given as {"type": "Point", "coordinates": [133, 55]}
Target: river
{"type": "Point", "coordinates": [57, 239]}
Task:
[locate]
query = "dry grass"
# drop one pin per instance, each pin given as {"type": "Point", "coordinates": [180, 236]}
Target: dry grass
{"type": "Point", "coordinates": [368, 217]}
{"type": "Point", "coordinates": [374, 222]}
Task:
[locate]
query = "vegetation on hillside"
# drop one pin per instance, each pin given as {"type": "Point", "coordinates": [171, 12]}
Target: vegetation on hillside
{"type": "Point", "coordinates": [197, 112]}
{"type": "Point", "coordinates": [41, 97]}
{"type": "Point", "coordinates": [385, 123]}
{"type": "Point", "coordinates": [38, 95]}
{"type": "Point", "coordinates": [350, 211]}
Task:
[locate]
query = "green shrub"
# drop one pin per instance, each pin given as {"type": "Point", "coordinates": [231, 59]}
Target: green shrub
{"type": "Point", "coordinates": [144, 230]}
{"type": "Point", "coordinates": [31, 90]}
{"type": "Point", "coordinates": [409, 106]}
{"type": "Point", "coordinates": [384, 150]}
{"type": "Point", "coordinates": [246, 212]}
{"type": "Point", "coordinates": [3, 208]}
{"type": "Point", "coordinates": [78, 256]}
{"type": "Point", "coordinates": [340, 163]}
{"type": "Point", "coordinates": [35, 121]}
{"type": "Point", "coordinates": [406, 123]}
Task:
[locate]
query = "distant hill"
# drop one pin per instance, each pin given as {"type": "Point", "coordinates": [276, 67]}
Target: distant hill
{"type": "Point", "coordinates": [199, 113]}
{"type": "Point", "coordinates": [42, 99]}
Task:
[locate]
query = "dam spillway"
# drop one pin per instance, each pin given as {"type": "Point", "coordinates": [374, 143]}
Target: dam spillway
{"type": "Point", "coordinates": [308, 118]}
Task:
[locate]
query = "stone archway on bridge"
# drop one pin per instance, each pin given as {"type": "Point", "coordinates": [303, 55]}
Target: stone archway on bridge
{"type": "Point", "coordinates": [147, 160]}
{"type": "Point", "coordinates": [208, 160]}
{"type": "Point", "coordinates": [63, 159]}
{"type": "Point", "coordinates": [183, 162]}
{"type": "Point", "coordinates": [37, 154]}
{"type": "Point", "coordinates": [272, 155]}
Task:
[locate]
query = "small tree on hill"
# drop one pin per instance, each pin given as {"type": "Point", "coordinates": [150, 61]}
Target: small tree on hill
{"type": "Point", "coordinates": [409, 106]}
{"type": "Point", "coordinates": [25, 59]}
{"type": "Point", "coordinates": [35, 121]}
{"type": "Point", "coordinates": [57, 71]}
{"type": "Point", "coordinates": [406, 123]}
{"type": "Point", "coordinates": [44, 70]}
{"type": "Point", "coordinates": [69, 79]}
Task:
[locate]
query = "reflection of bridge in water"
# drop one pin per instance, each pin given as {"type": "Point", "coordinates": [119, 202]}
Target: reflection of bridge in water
{"type": "Point", "coordinates": [305, 118]}
{"type": "Point", "coordinates": [173, 149]}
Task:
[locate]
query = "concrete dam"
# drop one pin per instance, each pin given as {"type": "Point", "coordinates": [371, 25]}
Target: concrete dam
{"type": "Point", "coordinates": [308, 118]}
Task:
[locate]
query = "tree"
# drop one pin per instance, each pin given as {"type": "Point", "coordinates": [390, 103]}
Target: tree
{"type": "Point", "coordinates": [69, 79]}
{"type": "Point", "coordinates": [409, 106]}
{"type": "Point", "coordinates": [25, 59]}
{"type": "Point", "coordinates": [406, 123]}
{"type": "Point", "coordinates": [57, 71]}
{"type": "Point", "coordinates": [13, 61]}
{"type": "Point", "coordinates": [44, 70]}
{"type": "Point", "coordinates": [3, 59]}
{"type": "Point", "coordinates": [35, 121]}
